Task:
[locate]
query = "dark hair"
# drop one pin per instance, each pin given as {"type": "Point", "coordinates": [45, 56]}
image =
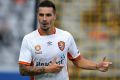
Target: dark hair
{"type": "Point", "coordinates": [47, 3]}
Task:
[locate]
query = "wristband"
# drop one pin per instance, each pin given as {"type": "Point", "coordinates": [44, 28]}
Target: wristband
{"type": "Point", "coordinates": [96, 67]}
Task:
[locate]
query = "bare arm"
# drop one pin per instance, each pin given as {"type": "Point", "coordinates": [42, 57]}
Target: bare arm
{"type": "Point", "coordinates": [31, 70]}
{"type": "Point", "coordinates": [84, 63]}
{"type": "Point", "coordinates": [90, 65]}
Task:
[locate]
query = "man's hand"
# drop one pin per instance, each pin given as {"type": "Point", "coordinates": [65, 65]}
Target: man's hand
{"type": "Point", "coordinates": [26, 70]}
{"type": "Point", "coordinates": [53, 67]}
{"type": "Point", "coordinates": [104, 65]}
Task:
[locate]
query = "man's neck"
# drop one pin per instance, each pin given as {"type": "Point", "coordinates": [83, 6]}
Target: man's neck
{"type": "Point", "coordinates": [50, 31]}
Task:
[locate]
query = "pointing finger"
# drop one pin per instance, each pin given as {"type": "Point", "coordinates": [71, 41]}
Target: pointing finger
{"type": "Point", "coordinates": [61, 65]}
{"type": "Point", "coordinates": [107, 63]}
{"type": "Point", "coordinates": [54, 60]}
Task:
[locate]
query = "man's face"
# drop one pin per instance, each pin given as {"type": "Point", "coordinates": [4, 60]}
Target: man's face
{"type": "Point", "coordinates": [46, 17]}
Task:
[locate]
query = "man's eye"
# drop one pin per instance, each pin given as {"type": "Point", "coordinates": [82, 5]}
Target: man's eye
{"type": "Point", "coordinates": [41, 14]}
{"type": "Point", "coordinates": [48, 15]}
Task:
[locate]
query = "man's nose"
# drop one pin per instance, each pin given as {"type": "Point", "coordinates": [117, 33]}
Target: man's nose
{"type": "Point", "coordinates": [44, 18]}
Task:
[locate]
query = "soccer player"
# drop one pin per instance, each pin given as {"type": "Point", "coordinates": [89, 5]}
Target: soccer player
{"type": "Point", "coordinates": [44, 52]}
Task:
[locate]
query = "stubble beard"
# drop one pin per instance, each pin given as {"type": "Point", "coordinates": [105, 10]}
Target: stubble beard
{"type": "Point", "coordinates": [45, 27]}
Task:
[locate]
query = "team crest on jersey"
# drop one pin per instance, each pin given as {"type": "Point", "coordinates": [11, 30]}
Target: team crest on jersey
{"type": "Point", "coordinates": [37, 49]}
{"type": "Point", "coordinates": [61, 45]}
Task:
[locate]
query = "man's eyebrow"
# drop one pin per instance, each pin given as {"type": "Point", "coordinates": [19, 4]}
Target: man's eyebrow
{"type": "Point", "coordinates": [47, 14]}
{"type": "Point", "coordinates": [41, 14]}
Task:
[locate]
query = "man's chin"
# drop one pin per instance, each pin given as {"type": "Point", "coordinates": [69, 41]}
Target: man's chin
{"type": "Point", "coordinates": [45, 28]}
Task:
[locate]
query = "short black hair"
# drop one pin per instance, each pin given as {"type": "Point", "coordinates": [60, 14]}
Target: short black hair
{"type": "Point", "coordinates": [47, 3]}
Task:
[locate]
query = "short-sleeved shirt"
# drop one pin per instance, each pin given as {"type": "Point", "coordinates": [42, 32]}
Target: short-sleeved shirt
{"type": "Point", "coordinates": [41, 50]}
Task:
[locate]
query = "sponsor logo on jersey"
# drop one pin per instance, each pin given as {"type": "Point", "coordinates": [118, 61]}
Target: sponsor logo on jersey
{"type": "Point", "coordinates": [49, 43]}
{"type": "Point", "coordinates": [37, 49]}
{"type": "Point", "coordinates": [61, 45]}
{"type": "Point", "coordinates": [60, 61]}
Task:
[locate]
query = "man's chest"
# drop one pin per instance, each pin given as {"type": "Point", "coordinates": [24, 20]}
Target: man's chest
{"type": "Point", "coordinates": [45, 50]}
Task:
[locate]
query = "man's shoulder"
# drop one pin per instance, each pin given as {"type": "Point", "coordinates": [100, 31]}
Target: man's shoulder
{"type": "Point", "coordinates": [63, 32]}
{"type": "Point", "coordinates": [31, 34]}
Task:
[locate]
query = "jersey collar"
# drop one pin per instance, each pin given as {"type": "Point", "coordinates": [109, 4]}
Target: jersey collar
{"type": "Point", "coordinates": [53, 31]}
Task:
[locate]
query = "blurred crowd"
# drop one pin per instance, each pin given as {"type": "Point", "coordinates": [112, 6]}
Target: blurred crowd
{"type": "Point", "coordinates": [103, 19]}
{"type": "Point", "coordinates": [16, 19]}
